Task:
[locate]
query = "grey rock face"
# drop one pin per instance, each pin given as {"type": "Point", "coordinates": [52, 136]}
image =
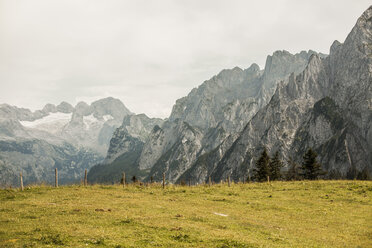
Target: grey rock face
{"type": "Point", "coordinates": [220, 107]}
{"type": "Point", "coordinates": [297, 118]}
{"type": "Point", "coordinates": [209, 117]}
{"type": "Point", "coordinates": [135, 128]}
{"type": "Point", "coordinates": [125, 149]}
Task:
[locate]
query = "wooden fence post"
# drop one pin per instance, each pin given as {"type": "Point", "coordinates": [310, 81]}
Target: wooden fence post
{"type": "Point", "coordinates": [249, 177]}
{"type": "Point", "coordinates": [163, 180]}
{"type": "Point", "coordinates": [210, 181]}
{"type": "Point", "coordinates": [189, 182]}
{"type": "Point", "coordinates": [85, 178]}
{"type": "Point", "coordinates": [21, 181]}
{"type": "Point", "coordinates": [56, 180]}
{"type": "Point", "coordinates": [123, 179]}
{"type": "Point", "coordinates": [228, 180]}
{"type": "Point", "coordinates": [268, 179]}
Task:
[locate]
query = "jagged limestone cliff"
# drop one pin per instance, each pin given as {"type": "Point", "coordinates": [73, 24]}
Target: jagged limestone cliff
{"type": "Point", "coordinates": [326, 107]}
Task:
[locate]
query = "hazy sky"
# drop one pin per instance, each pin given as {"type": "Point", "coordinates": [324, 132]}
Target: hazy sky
{"type": "Point", "coordinates": [150, 53]}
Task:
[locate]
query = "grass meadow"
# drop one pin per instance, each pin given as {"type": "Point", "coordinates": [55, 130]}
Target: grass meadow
{"type": "Point", "coordinates": [277, 214]}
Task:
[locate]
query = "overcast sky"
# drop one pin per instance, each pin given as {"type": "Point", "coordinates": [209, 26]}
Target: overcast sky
{"type": "Point", "coordinates": [150, 53]}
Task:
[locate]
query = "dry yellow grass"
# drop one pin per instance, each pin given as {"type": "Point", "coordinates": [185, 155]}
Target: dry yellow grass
{"type": "Point", "coordinates": [280, 214]}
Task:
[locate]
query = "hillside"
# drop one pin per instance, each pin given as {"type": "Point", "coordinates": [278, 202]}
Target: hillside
{"type": "Point", "coordinates": [281, 214]}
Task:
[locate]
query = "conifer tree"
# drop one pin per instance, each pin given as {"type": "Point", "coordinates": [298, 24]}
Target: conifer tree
{"type": "Point", "coordinates": [292, 173]}
{"type": "Point", "coordinates": [352, 173]}
{"type": "Point", "coordinates": [334, 175]}
{"type": "Point", "coordinates": [134, 179]}
{"type": "Point", "coordinates": [275, 166]}
{"type": "Point", "coordinates": [262, 169]}
{"type": "Point", "coordinates": [364, 174]}
{"type": "Point", "coordinates": [311, 169]}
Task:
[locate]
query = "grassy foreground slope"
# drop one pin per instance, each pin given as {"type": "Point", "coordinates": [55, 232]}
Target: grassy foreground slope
{"type": "Point", "coordinates": [280, 214]}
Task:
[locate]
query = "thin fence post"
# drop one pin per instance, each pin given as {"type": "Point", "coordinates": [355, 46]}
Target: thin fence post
{"type": "Point", "coordinates": [56, 180]}
{"type": "Point", "coordinates": [189, 182]}
{"type": "Point", "coordinates": [85, 178]}
{"type": "Point", "coordinates": [20, 174]}
{"type": "Point", "coordinates": [228, 180]}
{"type": "Point", "coordinates": [243, 179]}
{"type": "Point", "coordinates": [268, 179]}
{"type": "Point", "coordinates": [123, 179]}
{"type": "Point", "coordinates": [249, 177]}
{"type": "Point", "coordinates": [210, 181]}
{"type": "Point", "coordinates": [163, 180]}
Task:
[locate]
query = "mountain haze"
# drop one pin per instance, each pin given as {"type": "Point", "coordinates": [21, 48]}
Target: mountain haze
{"type": "Point", "coordinates": [65, 137]}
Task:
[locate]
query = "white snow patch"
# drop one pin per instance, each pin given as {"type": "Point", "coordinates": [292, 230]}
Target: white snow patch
{"type": "Point", "coordinates": [224, 215]}
{"type": "Point", "coordinates": [89, 120]}
{"type": "Point", "coordinates": [51, 123]}
{"type": "Point", "coordinates": [108, 117]}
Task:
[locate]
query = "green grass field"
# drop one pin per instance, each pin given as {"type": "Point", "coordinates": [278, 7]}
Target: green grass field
{"type": "Point", "coordinates": [280, 214]}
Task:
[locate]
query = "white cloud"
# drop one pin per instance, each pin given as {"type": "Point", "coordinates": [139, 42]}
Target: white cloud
{"type": "Point", "coordinates": [150, 53]}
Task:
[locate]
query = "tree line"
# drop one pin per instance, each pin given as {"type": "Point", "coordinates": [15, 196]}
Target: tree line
{"type": "Point", "coordinates": [310, 169]}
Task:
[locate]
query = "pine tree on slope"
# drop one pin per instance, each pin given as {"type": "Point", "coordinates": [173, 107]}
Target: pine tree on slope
{"type": "Point", "coordinates": [275, 166]}
{"type": "Point", "coordinates": [262, 169]}
{"type": "Point", "coordinates": [311, 169]}
{"type": "Point", "coordinates": [292, 173]}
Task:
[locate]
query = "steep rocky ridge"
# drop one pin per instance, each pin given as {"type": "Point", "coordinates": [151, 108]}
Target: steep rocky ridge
{"type": "Point", "coordinates": [327, 107]}
{"type": "Point", "coordinates": [208, 119]}
{"type": "Point", "coordinates": [220, 107]}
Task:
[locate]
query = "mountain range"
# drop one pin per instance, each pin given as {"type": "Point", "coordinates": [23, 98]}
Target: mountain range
{"type": "Point", "coordinates": [68, 138]}
{"type": "Point", "coordinates": [296, 102]}
{"type": "Point", "coordinates": [301, 101]}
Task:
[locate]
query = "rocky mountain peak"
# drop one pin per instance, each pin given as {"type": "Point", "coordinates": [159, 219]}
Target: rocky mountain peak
{"type": "Point", "coordinates": [65, 107]}
{"type": "Point", "coordinates": [82, 108]}
{"type": "Point", "coordinates": [334, 47]}
{"type": "Point", "coordinates": [49, 108]}
{"type": "Point", "coordinates": [110, 106]}
{"type": "Point", "coordinates": [361, 35]}
{"type": "Point", "coordinates": [364, 23]}
{"type": "Point", "coordinates": [253, 68]}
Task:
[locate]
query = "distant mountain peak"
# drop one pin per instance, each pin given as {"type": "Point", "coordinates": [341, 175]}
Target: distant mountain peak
{"type": "Point", "coordinates": [65, 107]}
{"type": "Point", "coordinates": [253, 68]}
{"type": "Point", "coordinates": [49, 108]}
